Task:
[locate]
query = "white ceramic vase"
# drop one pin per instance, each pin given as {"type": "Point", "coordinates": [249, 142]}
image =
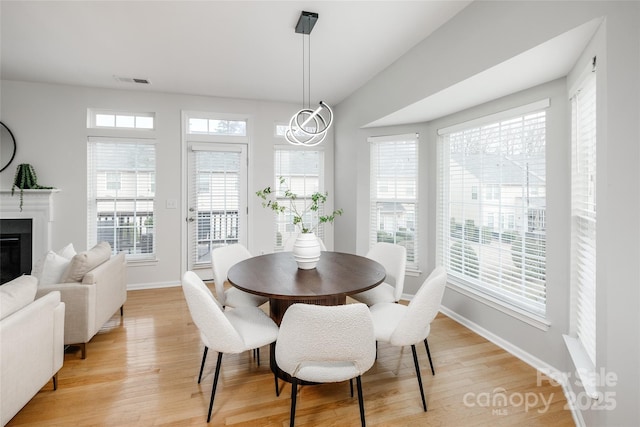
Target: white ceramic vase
{"type": "Point", "coordinates": [306, 251]}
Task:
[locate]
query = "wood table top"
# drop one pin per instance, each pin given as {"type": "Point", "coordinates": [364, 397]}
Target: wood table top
{"type": "Point", "coordinates": [277, 276]}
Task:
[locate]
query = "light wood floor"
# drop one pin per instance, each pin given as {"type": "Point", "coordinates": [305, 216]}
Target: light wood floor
{"type": "Point", "coordinates": [142, 370]}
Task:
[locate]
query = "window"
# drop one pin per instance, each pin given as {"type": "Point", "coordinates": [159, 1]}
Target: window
{"type": "Point", "coordinates": [394, 193]}
{"type": "Point", "coordinates": [583, 215]}
{"type": "Point", "coordinates": [121, 195]}
{"type": "Point", "coordinates": [303, 171]}
{"type": "Point", "coordinates": [225, 127]}
{"type": "Point", "coordinates": [504, 157]}
{"type": "Point", "coordinates": [216, 197]}
{"type": "Point", "coordinates": [120, 120]}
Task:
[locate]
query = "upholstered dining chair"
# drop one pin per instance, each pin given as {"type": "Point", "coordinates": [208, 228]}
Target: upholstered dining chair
{"type": "Point", "coordinates": [402, 325]}
{"type": "Point", "coordinates": [288, 244]}
{"type": "Point", "coordinates": [323, 344]}
{"type": "Point", "coordinates": [226, 331]}
{"type": "Point", "coordinates": [393, 258]}
{"type": "Point", "coordinates": [222, 259]}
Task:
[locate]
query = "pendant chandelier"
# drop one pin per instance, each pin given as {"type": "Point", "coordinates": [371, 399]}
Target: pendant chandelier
{"type": "Point", "coordinates": [308, 127]}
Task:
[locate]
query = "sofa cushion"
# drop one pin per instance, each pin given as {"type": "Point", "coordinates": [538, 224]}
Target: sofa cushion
{"type": "Point", "coordinates": [16, 294]}
{"type": "Point", "coordinates": [83, 262]}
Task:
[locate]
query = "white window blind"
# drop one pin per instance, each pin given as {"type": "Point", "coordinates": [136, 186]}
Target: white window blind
{"type": "Point", "coordinates": [394, 193]}
{"type": "Point", "coordinates": [121, 195]}
{"type": "Point", "coordinates": [583, 215]}
{"type": "Point", "coordinates": [491, 207]}
{"type": "Point", "coordinates": [216, 197]}
{"type": "Point", "coordinates": [303, 174]}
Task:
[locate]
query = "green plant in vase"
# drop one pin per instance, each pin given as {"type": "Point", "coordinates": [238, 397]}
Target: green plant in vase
{"type": "Point", "coordinates": [317, 201]}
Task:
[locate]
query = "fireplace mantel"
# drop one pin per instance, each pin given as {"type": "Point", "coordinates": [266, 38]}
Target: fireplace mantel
{"type": "Point", "coordinates": [37, 205]}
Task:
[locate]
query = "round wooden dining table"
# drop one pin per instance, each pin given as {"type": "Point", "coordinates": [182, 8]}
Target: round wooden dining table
{"type": "Point", "coordinates": [277, 277]}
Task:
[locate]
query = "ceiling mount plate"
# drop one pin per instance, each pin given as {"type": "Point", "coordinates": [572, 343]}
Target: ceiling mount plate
{"type": "Point", "coordinates": [306, 22]}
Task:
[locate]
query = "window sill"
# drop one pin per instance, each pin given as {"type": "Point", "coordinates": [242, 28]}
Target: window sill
{"type": "Point", "coordinates": [584, 368]}
{"type": "Point", "coordinates": [522, 315]}
{"type": "Point", "coordinates": [412, 272]}
{"type": "Point", "coordinates": [142, 262]}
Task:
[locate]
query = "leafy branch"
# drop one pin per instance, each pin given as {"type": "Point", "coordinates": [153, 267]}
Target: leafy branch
{"type": "Point", "coordinates": [317, 200]}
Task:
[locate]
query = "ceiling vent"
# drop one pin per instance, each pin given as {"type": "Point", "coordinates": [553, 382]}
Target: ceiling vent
{"type": "Point", "coordinates": [132, 80]}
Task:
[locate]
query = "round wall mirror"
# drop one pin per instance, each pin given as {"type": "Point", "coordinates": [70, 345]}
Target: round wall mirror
{"type": "Point", "coordinates": [7, 147]}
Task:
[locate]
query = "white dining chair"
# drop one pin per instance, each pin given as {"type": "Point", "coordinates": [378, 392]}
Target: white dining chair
{"type": "Point", "coordinates": [393, 258]}
{"type": "Point", "coordinates": [226, 331]}
{"type": "Point", "coordinates": [288, 244]}
{"type": "Point", "coordinates": [222, 259]}
{"type": "Point", "coordinates": [323, 344]}
{"type": "Point", "coordinates": [401, 325]}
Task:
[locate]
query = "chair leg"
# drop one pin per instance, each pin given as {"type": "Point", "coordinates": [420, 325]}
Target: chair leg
{"type": "Point", "coordinates": [83, 348]}
{"type": "Point", "coordinates": [294, 392]}
{"type": "Point", "coordinates": [415, 361]}
{"type": "Point", "coordinates": [275, 377]}
{"type": "Point", "coordinates": [55, 381]}
{"type": "Point", "coordinates": [204, 357]}
{"type": "Point", "coordinates": [121, 310]}
{"type": "Point", "coordinates": [351, 386]}
{"type": "Point", "coordinates": [215, 384]}
{"type": "Point", "coordinates": [258, 355]}
{"type": "Point", "coordinates": [426, 345]}
{"type": "Point", "coordinates": [360, 400]}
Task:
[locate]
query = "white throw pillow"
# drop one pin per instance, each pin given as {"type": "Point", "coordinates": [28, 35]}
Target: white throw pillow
{"type": "Point", "coordinates": [17, 294]}
{"type": "Point", "coordinates": [68, 251]}
{"type": "Point", "coordinates": [53, 267]}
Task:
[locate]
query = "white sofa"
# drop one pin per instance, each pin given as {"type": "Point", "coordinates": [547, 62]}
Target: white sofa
{"type": "Point", "coordinates": [93, 290]}
{"type": "Point", "coordinates": [31, 347]}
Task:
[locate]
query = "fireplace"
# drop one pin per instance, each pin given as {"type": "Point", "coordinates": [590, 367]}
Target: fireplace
{"type": "Point", "coordinates": [20, 247]}
{"type": "Point", "coordinates": [15, 248]}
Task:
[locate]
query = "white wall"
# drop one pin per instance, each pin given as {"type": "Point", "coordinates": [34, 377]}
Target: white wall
{"type": "Point", "coordinates": [50, 126]}
{"type": "Point", "coordinates": [483, 35]}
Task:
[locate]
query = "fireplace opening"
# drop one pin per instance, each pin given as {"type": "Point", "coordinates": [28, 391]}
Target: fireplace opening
{"type": "Point", "coordinates": [15, 248]}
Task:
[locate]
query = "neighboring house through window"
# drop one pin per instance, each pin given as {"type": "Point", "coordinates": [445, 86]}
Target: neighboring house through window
{"type": "Point", "coordinates": [303, 171]}
{"type": "Point", "coordinates": [394, 193]}
{"type": "Point", "coordinates": [121, 195]}
{"type": "Point", "coordinates": [491, 207]}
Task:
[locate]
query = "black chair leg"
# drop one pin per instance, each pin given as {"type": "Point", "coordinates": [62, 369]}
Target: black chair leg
{"type": "Point", "coordinates": [215, 384]}
{"type": "Point", "coordinates": [275, 377]}
{"type": "Point", "coordinates": [55, 381]}
{"type": "Point", "coordinates": [360, 400]}
{"type": "Point", "coordinates": [351, 386]}
{"type": "Point", "coordinates": [258, 355]}
{"type": "Point", "coordinates": [426, 345]}
{"type": "Point", "coordinates": [294, 392]}
{"type": "Point", "coordinates": [121, 310]}
{"type": "Point", "coordinates": [415, 361]}
{"type": "Point", "coordinates": [204, 357]}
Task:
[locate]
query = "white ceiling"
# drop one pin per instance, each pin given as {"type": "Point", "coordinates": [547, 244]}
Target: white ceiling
{"type": "Point", "coordinates": [235, 49]}
{"type": "Point", "coordinates": [249, 49]}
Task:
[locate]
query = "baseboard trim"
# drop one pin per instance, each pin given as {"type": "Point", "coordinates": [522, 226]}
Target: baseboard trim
{"type": "Point", "coordinates": [526, 357]}
{"type": "Point", "coordinates": [152, 285]}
